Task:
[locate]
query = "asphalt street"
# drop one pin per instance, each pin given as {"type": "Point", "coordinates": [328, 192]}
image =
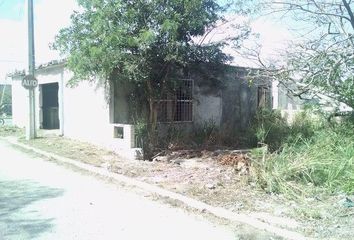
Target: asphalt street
{"type": "Point", "coordinates": [42, 200]}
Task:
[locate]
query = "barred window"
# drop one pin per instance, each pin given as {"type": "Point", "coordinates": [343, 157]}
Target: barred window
{"type": "Point", "coordinates": [178, 107]}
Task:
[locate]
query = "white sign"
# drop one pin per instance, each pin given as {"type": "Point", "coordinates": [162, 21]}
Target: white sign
{"type": "Point", "coordinates": [29, 82]}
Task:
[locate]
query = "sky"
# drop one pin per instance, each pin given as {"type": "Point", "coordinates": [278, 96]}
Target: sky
{"type": "Point", "coordinates": [52, 15]}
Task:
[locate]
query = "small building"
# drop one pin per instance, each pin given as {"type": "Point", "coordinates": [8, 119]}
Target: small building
{"type": "Point", "coordinates": [5, 98]}
{"type": "Point", "coordinates": [85, 112]}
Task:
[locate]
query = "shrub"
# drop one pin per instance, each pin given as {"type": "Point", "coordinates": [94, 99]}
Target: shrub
{"type": "Point", "coordinates": [324, 161]}
{"type": "Point", "coordinates": [305, 125]}
{"type": "Point", "coordinates": [269, 128]}
{"type": "Point", "coordinates": [206, 134]}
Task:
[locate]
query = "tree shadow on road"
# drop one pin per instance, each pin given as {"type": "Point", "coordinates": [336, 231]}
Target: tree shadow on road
{"type": "Point", "coordinates": [16, 222]}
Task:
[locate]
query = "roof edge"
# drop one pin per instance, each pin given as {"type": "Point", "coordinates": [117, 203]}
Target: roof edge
{"type": "Point", "coordinates": [53, 63]}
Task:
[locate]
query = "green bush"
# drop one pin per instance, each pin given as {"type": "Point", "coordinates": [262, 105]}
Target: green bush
{"type": "Point", "coordinates": [176, 137]}
{"type": "Point", "coordinates": [271, 129]}
{"type": "Point", "coordinates": [324, 161]}
{"type": "Point", "coordinates": [305, 125]}
{"type": "Point", "coordinates": [205, 134]}
{"type": "Point", "coordinates": [202, 135]}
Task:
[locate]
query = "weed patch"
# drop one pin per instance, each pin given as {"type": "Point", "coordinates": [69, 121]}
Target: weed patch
{"type": "Point", "coordinates": [6, 131]}
{"type": "Point", "coordinates": [323, 162]}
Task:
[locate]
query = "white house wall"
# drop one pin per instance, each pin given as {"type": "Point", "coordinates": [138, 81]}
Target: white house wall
{"type": "Point", "coordinates": [86, 113]}
{"type": "Point", "coordinates": [86, 116]}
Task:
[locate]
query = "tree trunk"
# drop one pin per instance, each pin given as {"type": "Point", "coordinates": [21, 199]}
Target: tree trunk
{"type": "Point", "coordinates": [150, 141]}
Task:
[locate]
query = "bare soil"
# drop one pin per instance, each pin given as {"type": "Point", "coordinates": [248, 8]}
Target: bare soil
{"type": "Point", "coordinates": [219, 178]}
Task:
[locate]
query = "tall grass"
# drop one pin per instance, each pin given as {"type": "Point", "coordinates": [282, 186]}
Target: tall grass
{"type": "Point", "coordinates": [270, 128]}
{"type": "Point", "coordinates": [314, 156]}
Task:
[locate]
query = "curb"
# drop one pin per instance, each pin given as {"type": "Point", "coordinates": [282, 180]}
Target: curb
{"type": "Point", "coordinates": [190, 202]}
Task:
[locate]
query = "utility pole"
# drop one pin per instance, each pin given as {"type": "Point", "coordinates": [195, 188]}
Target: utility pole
{"type": "Point", "coordinates": [31, 125]}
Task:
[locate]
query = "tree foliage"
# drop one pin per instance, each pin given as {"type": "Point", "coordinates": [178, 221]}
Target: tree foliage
{"type": "Point", "coordinates": [144, 41]}
{"type": "Point", "coordinates": [146, 44]}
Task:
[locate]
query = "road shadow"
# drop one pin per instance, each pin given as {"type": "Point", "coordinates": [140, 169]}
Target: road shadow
{"type": "Point", "coordinates": [15, 221]}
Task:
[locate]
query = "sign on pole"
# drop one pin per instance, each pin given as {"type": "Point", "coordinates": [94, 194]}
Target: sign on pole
{"type": "Point", "coordinates": [29, 82]}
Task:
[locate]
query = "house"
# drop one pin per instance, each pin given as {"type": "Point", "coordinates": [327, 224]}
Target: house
{"type": "Point", "coordinates": [284, 101]}
{"type": "Point", "coordinates": [85, 112]}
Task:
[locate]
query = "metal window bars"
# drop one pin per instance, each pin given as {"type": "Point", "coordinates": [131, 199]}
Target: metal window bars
{"type": "Point", "coordinates": [179, 106]}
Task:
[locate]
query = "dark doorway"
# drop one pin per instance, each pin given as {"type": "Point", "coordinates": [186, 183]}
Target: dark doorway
{"type": "Point", "coordinates": [50, 106]}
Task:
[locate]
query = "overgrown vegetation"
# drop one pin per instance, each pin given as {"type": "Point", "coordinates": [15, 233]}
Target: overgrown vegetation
{"type": "Point", "coordinates": [270, 128]}
{"type": "Point", "coordinates": [312, 155]}
{"type": "Point", "coordinates": [180, 136]}
{"type": "Point", "coordinates": [6, 131]}
{"type": "Point", "coordinates": [318, 61]}
{"type": "Point", "coordinates": [205, 136]}
{"type": "Point", "coordinates": [148, 45]}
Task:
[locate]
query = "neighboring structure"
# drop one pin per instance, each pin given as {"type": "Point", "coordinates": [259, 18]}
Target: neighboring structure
{"type": "Point", "coordinates": [5, 97]}
{"type": "Point", "coordinates": [285, 102]}
{"type": "Point", "coordinates": [83, 112]}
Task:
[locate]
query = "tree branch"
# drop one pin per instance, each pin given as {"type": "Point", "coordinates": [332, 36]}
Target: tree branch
{"type": "Point", "coordinates": [350, 12]}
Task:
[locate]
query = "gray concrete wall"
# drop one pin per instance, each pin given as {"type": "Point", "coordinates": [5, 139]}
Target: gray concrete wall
{"type": "Point", "coordinates": [231, 107]}
{"type": "Point", "coordinates": [120, 104]}
{"type": "Point", "coordinates": [239, 101]}
{"type": "Point", "coordinates": [207, 107]}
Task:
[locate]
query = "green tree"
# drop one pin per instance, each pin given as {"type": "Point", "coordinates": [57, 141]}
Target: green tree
{"type": "Point", "coordinates": [146, 43]}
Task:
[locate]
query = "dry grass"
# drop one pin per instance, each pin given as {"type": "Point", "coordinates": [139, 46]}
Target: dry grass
{"type": "Point", "coordinates": [6, 131]}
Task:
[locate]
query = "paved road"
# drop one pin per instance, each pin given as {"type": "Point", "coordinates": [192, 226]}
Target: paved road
{"type": "Point", "coordinates": [42, 200]}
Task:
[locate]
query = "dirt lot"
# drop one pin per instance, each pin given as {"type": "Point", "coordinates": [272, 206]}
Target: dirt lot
{"type": "Point", "coordinates": [219, 178]}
